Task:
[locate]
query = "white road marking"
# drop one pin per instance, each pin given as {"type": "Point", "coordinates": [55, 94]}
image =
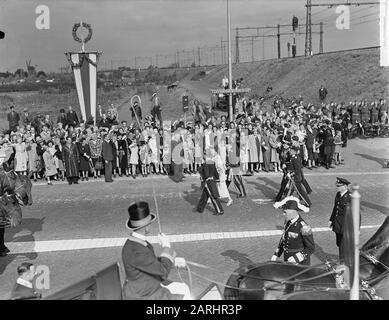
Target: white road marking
{"type": "Point", "coordinates": [79, 244]}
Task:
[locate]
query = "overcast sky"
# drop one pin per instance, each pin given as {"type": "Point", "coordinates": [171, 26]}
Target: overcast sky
{"type": "Point", "coordinates": [126, 29]}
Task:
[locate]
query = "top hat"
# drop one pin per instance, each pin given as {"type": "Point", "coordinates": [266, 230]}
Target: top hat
{"type": "Point", "coordinates": [139, 215]}
{"type": "Point", "coordinates": [291, 203]}
{"type": "Point", "coordinates": [342, 182]}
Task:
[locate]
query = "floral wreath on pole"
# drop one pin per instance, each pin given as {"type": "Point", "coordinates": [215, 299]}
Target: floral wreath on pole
{"type": "Point", "coordinates": [86, 26]}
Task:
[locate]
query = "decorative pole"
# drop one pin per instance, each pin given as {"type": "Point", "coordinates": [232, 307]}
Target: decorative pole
{"type": "Point", "coordinates": [230, 111]}
{"type": "Point", "coordinates": [355, 205]}
{"type": "Point", "coordinates": [84, 67]}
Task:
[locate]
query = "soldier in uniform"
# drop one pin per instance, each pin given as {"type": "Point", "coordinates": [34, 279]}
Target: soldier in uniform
{"type": "Point", "coordinates": [147, 274]}
{"type": "Point", "coordinates": [336, 223]}
{"type": "Point", "coordinates": [209, 175]}
{"type": "Point", "coordinates": [295, 171]}
{"type": "Point", "coordinates": [297, 242]}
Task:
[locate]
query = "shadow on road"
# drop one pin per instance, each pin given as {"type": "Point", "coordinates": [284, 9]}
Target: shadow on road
{"type": "Point", "coordinates": [268, 193]}
{"type": "Point", "coordinates": [29, 226]}
{"type": "Point", "coordinates": [379, 208]}
{"type": "Point", "coordinates": [381, 161]}
{"type": "Point", "coordinates": [237, 256]}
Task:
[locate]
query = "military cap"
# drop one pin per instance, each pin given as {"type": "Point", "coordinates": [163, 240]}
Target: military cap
{"type": "Point", "coordinates": [342, 181]}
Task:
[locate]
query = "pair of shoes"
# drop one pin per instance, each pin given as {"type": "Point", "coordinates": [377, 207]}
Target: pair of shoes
{"type": "Point", "coordinates": [49, 183]}
{"type": "Point", "coordinates": [218, 214]}
{"type": "Point", "coordinates": [95, 177]}
{"type": "Point", "coordinates": [63, 179]}
{"type": "Point", "coordinates": [35, 180]}
{"type": "Point", "coordinates": [70, 182]}
{"type": "Point", "coordinates": [309, 168]}
{"type": "Point", "coordinates": [109, 181]}
{"type": "Point", "coordinates": [229, 203]}
{"type": "Point", "coordinates": [134, 176]}
{"type": "Point", "coordinates": [87, 178]}
{"type": "Point", "coordinates": [332, 167]}
{"type": "Point", "coordinates": [82, 179]}
{"type": "Point", "coordinates": [75, 182]}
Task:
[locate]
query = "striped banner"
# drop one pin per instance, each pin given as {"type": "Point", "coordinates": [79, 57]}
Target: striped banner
{"type": "Point", "coordinates": [84, 65]}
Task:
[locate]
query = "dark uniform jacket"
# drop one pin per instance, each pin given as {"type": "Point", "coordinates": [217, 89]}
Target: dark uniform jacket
{"type": "Point", "coordinates": [209, 176]}
{"type": "Point", "coordinates": [107, 152]}
{"type": "Point", "coordinates": [295, 168]}
{"type": "Point", "coordinates": [144, 271]}
{"type": "Point", "coordinates": [297, 241]}
{"type": "Point", "coordinates": [72, 119]}
{"type": "Point", "coordinates": [21, 292]}
{"type": "Point", "coordinates": [13, 119]}
{"type": "Point", "coordinates": [328, 137]}
{"type": "Point", "coordinates": [339, 211]}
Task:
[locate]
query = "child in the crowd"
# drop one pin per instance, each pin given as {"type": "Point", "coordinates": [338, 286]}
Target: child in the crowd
{"type": "Point", "coordinates": [338, 147]}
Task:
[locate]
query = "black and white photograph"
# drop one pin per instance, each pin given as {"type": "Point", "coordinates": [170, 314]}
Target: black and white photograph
{"type": "Point", "coordinates": [201, 150]}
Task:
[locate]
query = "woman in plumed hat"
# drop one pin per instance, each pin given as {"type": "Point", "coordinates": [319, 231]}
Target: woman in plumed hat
{"type": "Point", "coordinates": [147, 274]}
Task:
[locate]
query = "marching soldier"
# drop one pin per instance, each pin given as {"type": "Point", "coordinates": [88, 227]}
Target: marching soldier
{"type": "Point", "coordinates": [209, 175]}
{"type": "Point", "coordinates": [297, 242]}
{"type": "Point", "coordinates": [147, 274]}
{"type": "Point", "coordinates": [295, 171]}
{"type": "Point", "coordinates": [342, 201]}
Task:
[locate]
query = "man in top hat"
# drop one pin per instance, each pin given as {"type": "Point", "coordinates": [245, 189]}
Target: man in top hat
{"type": "Point", "coordinates": [147, 274]}
{"type": "Point", "coordinates": [24, 288]}
{"type": "Point", "coordinates": [296, 242]}
{"type": "Point", "coordinates": [342, 201]}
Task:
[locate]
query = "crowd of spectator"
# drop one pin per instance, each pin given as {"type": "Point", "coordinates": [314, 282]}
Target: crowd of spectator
{"type": "Point", "coordinates": [67, 148]}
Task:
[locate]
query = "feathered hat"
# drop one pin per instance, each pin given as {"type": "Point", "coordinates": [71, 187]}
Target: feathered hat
{"type": "Point", "coordinates": [290, 203]}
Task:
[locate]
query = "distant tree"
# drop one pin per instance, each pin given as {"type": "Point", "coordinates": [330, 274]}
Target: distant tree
{"type": "Point", "coordinates": [20, 73]}
{"type": "Point", "coordinates": [41, 74]}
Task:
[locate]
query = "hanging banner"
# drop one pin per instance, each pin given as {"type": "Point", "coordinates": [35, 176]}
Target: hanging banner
{"type": "Point", "coordinates": [84, 65]}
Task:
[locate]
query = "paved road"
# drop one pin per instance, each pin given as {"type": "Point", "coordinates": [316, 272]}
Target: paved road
{"type": "Point", "coordinates": [78, 230]}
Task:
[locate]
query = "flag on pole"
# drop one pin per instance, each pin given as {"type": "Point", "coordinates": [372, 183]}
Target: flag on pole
{"type": "Point", "coordinates": [84, 66]}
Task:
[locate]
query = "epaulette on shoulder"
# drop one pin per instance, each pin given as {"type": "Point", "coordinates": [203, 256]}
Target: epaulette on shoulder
{"type": "Point", "coordinates": [306, 230]}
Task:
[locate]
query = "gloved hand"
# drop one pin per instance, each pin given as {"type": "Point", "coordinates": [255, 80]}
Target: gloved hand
{"type": "Point", "coordinates": [273, 258]}
{"type": "Point", "coordinates": [163, 240]}
{"type": "Point", "coordinates": [292, 259]}
{"type": "Point", "coordinates": [179, 262]}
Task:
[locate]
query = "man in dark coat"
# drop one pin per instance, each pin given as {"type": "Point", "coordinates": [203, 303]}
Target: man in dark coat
{"type": "Point", "coordinates": [62, 118]}
{"type": "Point", "coordinates": [26, 117]}
{"type": "Point", "coordinates": [156, 110]}
{"type": "Point", "coordinates": [328, 143]}
{"type": "Point", "coordinates": [13, 119]}
{"type": "Point", "coordinates": [107, 155]}
{"type": "Point", "coordinates": [147, 274]}
{"type": "Point", "coordinates": [71, 117]}
{"type": "Point", "coordinates": [209, 175]}
{"type": "Point", "coordinates": [336, 223]}
{"type": "Point", "coordinates": [322, 93]}
{"type": "Point", "coordinates": [71, 158]}
{"type": "Point", "coordinates": [24, 288]}
{"type": "Point", "coordinates": [297, 242]}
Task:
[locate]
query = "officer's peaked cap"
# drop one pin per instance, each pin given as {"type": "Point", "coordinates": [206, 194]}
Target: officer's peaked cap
{"type": "Point", "coordinates": [342, 181]}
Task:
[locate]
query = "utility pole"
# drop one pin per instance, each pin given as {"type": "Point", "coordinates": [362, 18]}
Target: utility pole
{"type": "Point", "coordinates": [236, 45]}
{"type": "Point", "coordinates": [252, 49]}
{"type": "Point", "coordinates": [178, 59]}
{"type": "Point", "coordinates": [221, 51]}
{"type": "Point", "coordinates": [308, 29]}
{"type": "Point", "coordinates": [278, 41]}
{"type": "Point", "coordinates": [199, 53]}
{"type": "Point", "coordinates": [263, 48]}
{"type": "Point", "coordinates": [156, 60]}
{"type": "Point", "coordinates": [321, 38]}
